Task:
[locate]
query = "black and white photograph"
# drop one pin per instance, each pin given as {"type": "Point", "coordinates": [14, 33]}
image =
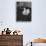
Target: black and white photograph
{"type": "Point", "coordinates": [23, 11]}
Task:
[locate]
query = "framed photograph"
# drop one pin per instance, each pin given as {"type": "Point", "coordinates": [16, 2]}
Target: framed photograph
{"type": "Point", "coordinates": [23, 11]}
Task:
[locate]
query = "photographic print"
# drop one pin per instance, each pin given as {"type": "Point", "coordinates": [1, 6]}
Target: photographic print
{"type": "Point", "coordinates": [23, 11]}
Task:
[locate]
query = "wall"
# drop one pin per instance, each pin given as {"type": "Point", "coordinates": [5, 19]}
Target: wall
{"type": "Point", "coordinates": [39, 18]}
